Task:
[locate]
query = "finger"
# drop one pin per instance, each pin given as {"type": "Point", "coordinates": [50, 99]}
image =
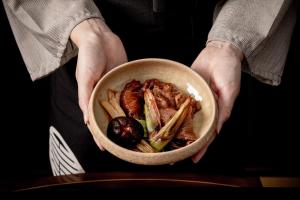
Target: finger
{"type": "Point", "coordinates": [85, 88]}
{"type": "Point", "coordinates": [98, 144]}
{"type": "Point", "coordinates": [200, 154]}
{"type": "Point", "coordinates": [225, 105]}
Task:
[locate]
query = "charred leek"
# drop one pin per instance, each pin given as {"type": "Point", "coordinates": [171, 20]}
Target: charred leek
{"type": "Point", "coordinates": [169, 130]}
{"type": "Point", "coordinates": [151, 111]}
{"type": "Point", "coordinates": [112, 106]}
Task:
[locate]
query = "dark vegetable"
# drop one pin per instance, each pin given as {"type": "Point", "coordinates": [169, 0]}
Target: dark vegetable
{"type": "Point", "coordinates": [125, 131]}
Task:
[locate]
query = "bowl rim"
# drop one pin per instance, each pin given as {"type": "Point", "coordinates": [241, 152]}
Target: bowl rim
{"type": "Point", "coordinates": [93, 125]}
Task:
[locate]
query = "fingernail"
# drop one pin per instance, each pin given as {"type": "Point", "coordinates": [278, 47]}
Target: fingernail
{"type": "Point", "coordinates": [196, 159]}
{"type": "Point", "coordinates": [101, 148]}
{"type": "Point", "coordinates": [219, 126]}
{"type": "Point", "coordinates": [200, 154]}
{"type": "Point", "coordinates": [85, 120]}
{"type": "Point", "coordinates": [216, 132]}
{"type": "Point", "coordinates": [98, 144]}
{"type": "Point", "coordinates": [218, 129]}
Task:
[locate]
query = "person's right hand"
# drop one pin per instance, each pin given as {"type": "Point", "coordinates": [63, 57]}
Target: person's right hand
{"type": "Point", "coordinates": [99, 51]}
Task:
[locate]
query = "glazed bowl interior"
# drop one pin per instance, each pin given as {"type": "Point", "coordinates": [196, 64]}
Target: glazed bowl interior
{"type": "Point", "coordinates": [164, 70]}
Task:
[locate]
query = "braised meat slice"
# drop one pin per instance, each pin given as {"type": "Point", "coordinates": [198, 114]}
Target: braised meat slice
{"type": "Point", "coordinates": [166, 114]}
{"type": "Point", "coordinates": [165, 93]}
{"type": "Point", "coordinates": [132, 99]}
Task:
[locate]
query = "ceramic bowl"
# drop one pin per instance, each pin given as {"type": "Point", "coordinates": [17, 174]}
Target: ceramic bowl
{"type": "Point", "coordinates": [165, 70]}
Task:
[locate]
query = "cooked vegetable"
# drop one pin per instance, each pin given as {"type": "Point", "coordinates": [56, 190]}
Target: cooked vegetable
{"type": "Point", "coordinates": [111, 106]}
{"type": "Point", "coordinates": [143, 123]}
{"type": "Point", "coordinates": [113, 100]}
{"type": "Point", "coordinates": [151, 112]}
{"type": "Point", "coordinates": [125, 131]}
{"type": "Point", "coordinates": [168, 131]}
{"type": "Point", "coordinates": [150, 117]}
{"type": "Point", "coordinates": [145, 147]}
{"type": "Point", "coordinates": [110, 109]}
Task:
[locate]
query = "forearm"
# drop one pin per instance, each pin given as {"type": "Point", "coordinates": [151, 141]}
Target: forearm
{"type": "Point", "coordinates": [230, 49]}
{"type": "Point", "coordinates": [42, 30]}
{"type": "Point", "coordinates": [261, 29]}
{"type": "Point", "coordinates": [246, 23]}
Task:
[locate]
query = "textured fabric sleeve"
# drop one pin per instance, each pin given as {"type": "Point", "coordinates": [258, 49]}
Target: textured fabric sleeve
{"type": "Point", "coordinates": [261, 29]}
{"type": "Point", "coordinates": [42, 29]}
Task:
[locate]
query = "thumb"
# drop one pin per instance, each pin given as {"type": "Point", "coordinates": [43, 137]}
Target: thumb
{"type": "Point", "coordinates": [199, 154]}
{"type": "Point", "coordinates": [98, 144]}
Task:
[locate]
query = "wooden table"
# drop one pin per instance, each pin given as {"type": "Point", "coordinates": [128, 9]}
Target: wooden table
{"type": "Point", "coordinates": [128, 180]}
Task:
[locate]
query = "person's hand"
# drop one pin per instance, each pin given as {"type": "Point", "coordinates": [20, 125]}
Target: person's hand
{"type": "Point", "coordinates": [99, 51]}
{"type": "Point", "coordinates": [219, 63]}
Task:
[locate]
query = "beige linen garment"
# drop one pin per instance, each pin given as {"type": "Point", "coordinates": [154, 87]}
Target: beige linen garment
{"type": "Point", "coordinates": [261, 29]}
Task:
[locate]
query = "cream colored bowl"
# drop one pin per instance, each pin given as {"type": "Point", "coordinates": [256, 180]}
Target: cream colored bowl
{"type": "Point", "coordinates": [165, 70]}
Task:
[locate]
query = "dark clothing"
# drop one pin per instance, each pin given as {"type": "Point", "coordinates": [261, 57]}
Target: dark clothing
{"type": "Point", "coordinates": [170, 31]}
{"type": "Point", "coordinates": [162, 34]}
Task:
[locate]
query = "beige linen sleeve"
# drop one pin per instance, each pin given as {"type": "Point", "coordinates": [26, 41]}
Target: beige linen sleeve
{"type": "Point", "coordinates": [261, 29]}
{"type": "Point", "coordinates": [42, 29]}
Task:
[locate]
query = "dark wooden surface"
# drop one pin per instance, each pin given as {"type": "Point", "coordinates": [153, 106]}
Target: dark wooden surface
{"type": "Point", "coordinates": [123, 180]}
{"type": "Point", "coordinates": [149, 181]}
{"type": "Point", "coordinates": [114, 182]}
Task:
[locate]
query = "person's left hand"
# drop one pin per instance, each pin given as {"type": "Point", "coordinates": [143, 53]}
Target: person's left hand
{"type": "Point", "coordinates": [219, 63]}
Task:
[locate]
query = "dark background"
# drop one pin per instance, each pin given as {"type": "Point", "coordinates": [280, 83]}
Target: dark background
{"type": "Point", "coordinates": [24, 128]}
{"type": "Point", "coordinates": [265, 142]}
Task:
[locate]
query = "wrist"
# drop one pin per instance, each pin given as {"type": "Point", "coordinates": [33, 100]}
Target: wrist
{"type": "Point", "coordinates": [228, 47]}
{"type": "Point", "coordinates": [89, 29]}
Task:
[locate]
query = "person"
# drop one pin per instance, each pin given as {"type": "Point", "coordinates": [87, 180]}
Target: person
{"type": "Point", "coordinates": [247, 35]}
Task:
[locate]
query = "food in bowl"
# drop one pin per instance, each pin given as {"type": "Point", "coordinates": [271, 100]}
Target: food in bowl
{"type": "Point", "coordinates": [185, 79]}
{"type": "Point", "coordinates": [152, 116]}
